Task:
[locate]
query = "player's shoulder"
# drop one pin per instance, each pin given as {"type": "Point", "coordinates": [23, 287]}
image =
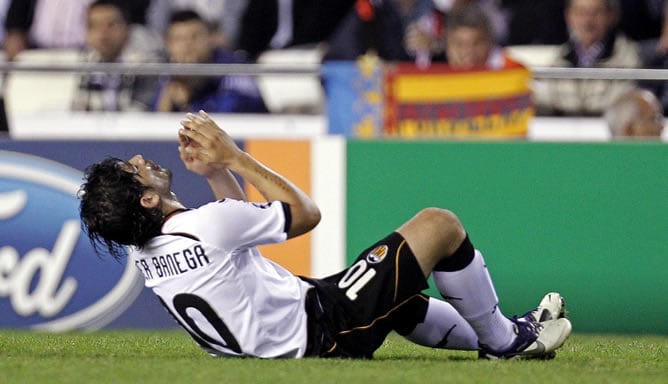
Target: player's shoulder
{"type": "Point", "coordinates": [202, 215]}
{"type": "Point", "coordinates": [228, 203]}
{"type": "Point", "coordinates": [224, 210]}
{"type": "Point", "coordinates": [212, 206]}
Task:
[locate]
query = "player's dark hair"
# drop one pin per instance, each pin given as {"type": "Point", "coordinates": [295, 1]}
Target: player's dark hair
{"type": "Point", "coordinates": [110, 209]}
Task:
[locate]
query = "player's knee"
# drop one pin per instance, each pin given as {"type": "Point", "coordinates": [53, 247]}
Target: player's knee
{"type": "Point", "coordinates": [439, 216]}
{"type": "Point", "coordinates": [443, 220]}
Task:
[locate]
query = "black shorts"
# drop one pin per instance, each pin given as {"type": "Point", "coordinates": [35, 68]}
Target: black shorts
{"type": "Point", "coordinates": [351, 313]}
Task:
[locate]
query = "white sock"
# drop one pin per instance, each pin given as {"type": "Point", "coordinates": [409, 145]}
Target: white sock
{"type": "Point", "coordinates": [471, 291]}
{"type": "Point", "coordinates": [444, 327]}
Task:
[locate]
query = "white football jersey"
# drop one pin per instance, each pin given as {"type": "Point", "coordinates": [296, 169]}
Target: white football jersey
{"type": "Point", "coordinates": [208, 273]}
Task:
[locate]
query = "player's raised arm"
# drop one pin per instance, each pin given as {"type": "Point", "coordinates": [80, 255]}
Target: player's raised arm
{"type": "Point", "coordinates": [220, 179]}
{"type": "Point", "coordinates": [213, 146]}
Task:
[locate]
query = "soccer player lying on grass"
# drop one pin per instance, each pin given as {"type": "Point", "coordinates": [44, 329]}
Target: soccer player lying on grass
{"type": "Point", "coordinates": [235, 302]}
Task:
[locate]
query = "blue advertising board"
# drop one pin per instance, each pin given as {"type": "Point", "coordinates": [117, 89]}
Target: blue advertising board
{"type": "Point", "coordinates": [50, 277]}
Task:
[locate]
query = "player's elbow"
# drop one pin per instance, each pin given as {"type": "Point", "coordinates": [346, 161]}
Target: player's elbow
{"type": "Point", "coordinates": [304, 220]}
{"type": "Point", "coordinates": [314, 216]}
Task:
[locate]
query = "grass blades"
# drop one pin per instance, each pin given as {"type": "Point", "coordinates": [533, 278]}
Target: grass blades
{"type": "Point", "coordinates": [172, 357]}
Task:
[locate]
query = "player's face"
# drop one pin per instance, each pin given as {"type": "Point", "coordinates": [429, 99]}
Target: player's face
{"type": "Point", "coordinates": [150, 174]}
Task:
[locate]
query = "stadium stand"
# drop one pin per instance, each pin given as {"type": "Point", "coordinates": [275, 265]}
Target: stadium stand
{"type": "Point", "coordinates": [34, 92]}
{"type": "Point", "coordinates": [533, 55]}
{"type": "Point", "coordinates": [291, 93]}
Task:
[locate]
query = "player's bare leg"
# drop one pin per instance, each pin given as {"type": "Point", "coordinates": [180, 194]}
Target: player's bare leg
{"type": "Point", "coordinates": [442, 247]}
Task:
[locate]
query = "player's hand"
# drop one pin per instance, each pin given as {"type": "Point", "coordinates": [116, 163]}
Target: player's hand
{"type": "Point", "coordinates": [191, 163]}
{"type": "Point", "coordinates": [203, 145]}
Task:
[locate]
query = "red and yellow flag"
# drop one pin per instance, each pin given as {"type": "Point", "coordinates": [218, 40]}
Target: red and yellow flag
{"type": "Point", "coordinates": [439, 101]}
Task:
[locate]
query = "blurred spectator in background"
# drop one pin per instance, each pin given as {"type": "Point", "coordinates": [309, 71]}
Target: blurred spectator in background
{"type": "Point", "coordinates": [497, 15]}
{"type": "Point", "coordinates": [535, 22]}
{"type": "Point", "coordinates": [54, 23]}
{"type": "Point", "coordinates": [374, 27]}
{"type": "Point", "coordinates": [660, 60]}
{"type": "Point", "coordinates": [642, 20]}
{"type": "Point", "coordinates": [662, 45]}
{"type": "Point", "coordinates": [189, 41]}
{"type": "Point", "coordinates": [276, 24]}
{"type": "Point", "coordinates": [222, 16]}
{"type": "Point", "coordinates": [594, 42]}
{"type": "Point", "coordinates": [111, 39]}
{"type": "Point", "coordinates": [4, 128]}
{"type": "Point", "coordinates": [4, 5]}
{"type": "Point", "coordinates": [646, 21]}
{"type": "Point", "coordinates": [468, 40]}
{"type": "Point", "coordinates": [230, 26]}
{"type": "Point", "coordinates": [33, 24]}
{"type": "Point", "coordinates": [636, 113]}
{"type": "Point", "coordinates": [422, 23]}
{"type": "Point", "coordinates": [426, 36]}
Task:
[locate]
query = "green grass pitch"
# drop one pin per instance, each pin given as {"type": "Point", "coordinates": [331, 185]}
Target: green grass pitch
{"type": "Point", "coordinates": [172, 357]}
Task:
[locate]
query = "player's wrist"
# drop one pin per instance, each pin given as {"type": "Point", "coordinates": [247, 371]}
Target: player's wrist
{"type": "Point", "coordinates": [212, 175]}
{"type": "Point", "coordinates": [238, 161]}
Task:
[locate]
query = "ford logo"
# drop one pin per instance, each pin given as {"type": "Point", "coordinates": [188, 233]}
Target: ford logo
{"type": "Point", "coordinates": [50, 277]}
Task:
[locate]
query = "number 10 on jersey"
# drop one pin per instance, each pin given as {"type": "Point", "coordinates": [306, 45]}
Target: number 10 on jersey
{"type": "Point", "coordinates": [356, 277]}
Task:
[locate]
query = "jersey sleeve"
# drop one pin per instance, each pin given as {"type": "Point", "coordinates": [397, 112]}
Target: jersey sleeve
{"type": "Point", "coordinates": [233, 223]}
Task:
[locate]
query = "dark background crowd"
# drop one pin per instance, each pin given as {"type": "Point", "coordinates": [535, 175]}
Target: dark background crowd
{"type": "Point", "coordinates": [464, 34]}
